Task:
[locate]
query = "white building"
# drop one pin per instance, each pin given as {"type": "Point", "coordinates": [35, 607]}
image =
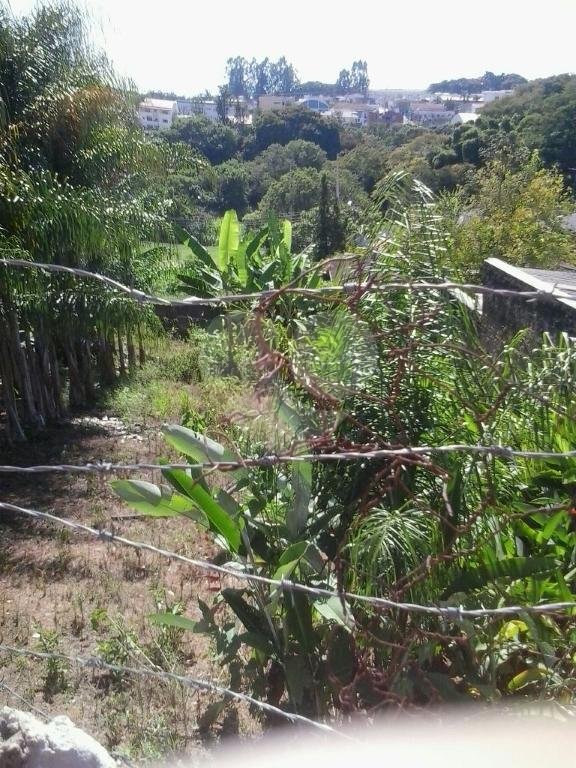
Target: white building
{"type": "Point", "coordinates": [487, 96]}
{"type": "Point", "coordinates": [157, 114]}
{"type": "Point", "coordinates": [464, 117]}
{"type": "Point", "coordinates": [428, 113]}
{"type": "Point", "coordinates": [352, 113]}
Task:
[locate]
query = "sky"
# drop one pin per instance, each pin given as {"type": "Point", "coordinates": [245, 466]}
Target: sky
{"type": "Point", "coordinates": [182, 45]}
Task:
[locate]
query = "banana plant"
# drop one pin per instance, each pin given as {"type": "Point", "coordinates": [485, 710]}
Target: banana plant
{"type": "Point", "coordinates": [251, 263]}
{"type": "Point", "coordinates": [254, 262]}
{"type": "Point", "coordinates": [263, 524]}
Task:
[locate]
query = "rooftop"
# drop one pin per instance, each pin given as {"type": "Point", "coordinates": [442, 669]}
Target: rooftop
{"type": "Point", "coordinates": [560, 282]}
{"type": "Point", "coordinates": [158, 103]}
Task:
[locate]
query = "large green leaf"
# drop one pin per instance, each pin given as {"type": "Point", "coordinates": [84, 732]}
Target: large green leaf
{"type": "Point", "coordinates": [253, 619]}
{"type": "Point", "coordinates": [297, 512]}
{"type": "Point", "coordinates": [172, 620]}
{"type": "Point", "coordinates": [204, 282]}
{"type": "Point", "coordinates": [195, 246]}
{"type": "Point", "coordinates": [154, 501]}
{"type": "Point", "coordinates": [299, 619]}
{"type": "Point", "coordinates": [198, 447]}
{"type": "Point", "coordinates": [218, 518]}
{"type": "Point", "coordinates": [527, 677]}
{"type": "Point", "coordinates": [287, 234]}
{"type": "Point", "coordinates": [333, 610]}
{"type": "Point", "coordinates": [228, 240]}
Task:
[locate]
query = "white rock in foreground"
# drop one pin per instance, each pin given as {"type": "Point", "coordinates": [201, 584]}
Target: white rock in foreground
{"type": "Point", "coordinates": [26, 742]}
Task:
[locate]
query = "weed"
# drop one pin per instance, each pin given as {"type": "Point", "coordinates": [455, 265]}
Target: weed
{"type": "Point", "coordinates": [98, 618]}
{"type": "Point", "coordinates": [78, 620]}
{"type": "Point", "coordinates": [165, 649]}
{"type": "Point", "coordinates": [55, 678]}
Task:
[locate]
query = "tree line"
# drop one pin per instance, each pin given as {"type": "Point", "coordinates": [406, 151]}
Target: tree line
{"type": "Point", "coordinates": [466, 86]}
{"type": "Point", "coordinates": [251, 79]}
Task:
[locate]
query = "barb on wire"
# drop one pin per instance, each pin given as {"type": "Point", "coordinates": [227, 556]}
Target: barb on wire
{"type": "Point", "coordinates": [92, 662]}
{"type": "Point", "coordinates": [270, 460]}
{"type": "Point", "coordinates": [327, 290]}
{"type": "Point", "coordinates": [449, 612]}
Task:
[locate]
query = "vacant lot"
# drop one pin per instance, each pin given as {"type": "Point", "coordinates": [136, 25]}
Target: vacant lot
{"type": "Point", "coordinates": [64, 592]}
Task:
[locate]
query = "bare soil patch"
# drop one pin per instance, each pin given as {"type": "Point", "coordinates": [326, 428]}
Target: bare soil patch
{"type": "Point", "coordinates": [68, 593]}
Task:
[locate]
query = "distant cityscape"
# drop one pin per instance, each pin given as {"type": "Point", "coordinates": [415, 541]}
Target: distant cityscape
{"type": "Point", "coordinates": [385, 107]}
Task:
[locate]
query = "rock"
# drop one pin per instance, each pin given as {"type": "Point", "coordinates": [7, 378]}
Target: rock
{"type": "Point", "coordinates": [26, 742]}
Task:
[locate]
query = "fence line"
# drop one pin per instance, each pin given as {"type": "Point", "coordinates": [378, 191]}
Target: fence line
{"type": "Point", "coordinates": [271, 460]}
{"type": "Point", "coordinates": [448, 612]}
{"type": "Point", "coordinates": [20, 698]}
{"type": "Point", "coordinates": [347, 288]}
{"type": "Point", "coordinates": [93, 662]}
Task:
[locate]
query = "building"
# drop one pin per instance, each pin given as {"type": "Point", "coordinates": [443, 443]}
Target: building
{"type": "Point", "coordinates": [487, 96]}
{"type": "Point", "coordinates": [553, 314]}
{"type": "Point", "coordinates": [354, 113]}
{"type": "Point", "coordinates": [315, 103]}
{"type": "Point", "coordinates": [464, 117]}
{"type": "Point", "coordinates": [427, 113]}
{"type": "Point", "coordinates": [157, 114]}
{"type": "Point", "coordinates": [268, 102]}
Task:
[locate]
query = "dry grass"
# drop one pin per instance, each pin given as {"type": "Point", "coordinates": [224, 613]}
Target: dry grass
{"type": "Point", "coordinates": [62, 592]}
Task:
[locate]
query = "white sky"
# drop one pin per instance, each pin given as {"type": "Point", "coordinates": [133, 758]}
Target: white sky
{"type": "Point", "coordinates": [182, 45]}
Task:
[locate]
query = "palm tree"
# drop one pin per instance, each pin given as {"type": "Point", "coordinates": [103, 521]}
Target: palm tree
{"type": "Point", "coordinates": [77, 187]}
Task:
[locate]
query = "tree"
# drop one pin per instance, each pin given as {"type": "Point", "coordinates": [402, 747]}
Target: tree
{"type": "Point", "coordinates": [283, 77]}
{"type": "Point", "coordinates": [251, 79]}
{"type": "Point", "coordinates": [367, 161]}
{"type": "Point", "coordinates": [223, 102]}
{"type": "Point", "coordinates": [299, 190]}
{"type": "Point", "coordinates": [359, 80]}
{"type": "Point", "coordinates": [215, 141]}
{"type": "Point", "coordinates": [279, 159]}
{"type": "Point", "coordinates": [292, 193]}
{"type": "Point", "coordinates": [283, 126]}
{"type": "Point", "coordinates": [344, 82]}
{"type": "Point", "coordinates": [515, 214]}
{"type": "Point", "coordinates": [331, 232]}
{"type": "Point", "coordinates": [465, 86]}
{"type": "Point", "coordinates": [79, 186]}
{"type": "Point", "coordinates": [355, 80]}
{"type": "Point", "coordinates": [232, 187]}
{"type": "Point", "coordinates": [543, 114]}
{"type": "Point", "coordinates": [237, 76]}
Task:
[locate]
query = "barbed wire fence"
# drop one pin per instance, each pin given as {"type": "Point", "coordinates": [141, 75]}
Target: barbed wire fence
{"type": "Point", "coordinates": [248, 575]}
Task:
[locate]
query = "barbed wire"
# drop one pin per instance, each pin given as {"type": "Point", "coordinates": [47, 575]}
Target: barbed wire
{"type": "Point", "coordinates": [93, 662]}
{"type": "Point", "coordinates": [449, 612]}
{"type": "Point", "coordinates": [16, 695]}
{"type": "Point", "coordinates": [271, 460]}
{"type": "Point", "coordinates": [327, 290]}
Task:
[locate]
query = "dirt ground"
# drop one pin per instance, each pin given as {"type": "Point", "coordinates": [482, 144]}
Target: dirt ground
{"type": "Point", "coordinates": [64, 592]}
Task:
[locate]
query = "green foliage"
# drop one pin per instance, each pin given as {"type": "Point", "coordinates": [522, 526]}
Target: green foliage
{"type": "Point", "coordinates": [542, 114]}
{"type": "Point", "coordinates": [367, 161]}
{"type": "Point", "coordinates": [465, 86]}
{"type": "Point", "coordinates": [250, 263]}
{"type": "Point", "coordinates": [57, 670]}
{"type": "Point", "coordinates": [79, 186]}
{"type": "Point", "coordinates": [331, 235]}
{"type": "Point", "coordinates": [283, 126]}
{"type": "Point", "coordinates": [218, 143]}
{"type": "Point", "coordinates": [397, 369]}
{"type": "Point", "coordinates": [300, 190]}
{"type": "Point", "coordinates": [251, 79]}
{"type": "Point", "coordinates": [515, 213]}
{"type": "Point", "coordinates": [355, 80]}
